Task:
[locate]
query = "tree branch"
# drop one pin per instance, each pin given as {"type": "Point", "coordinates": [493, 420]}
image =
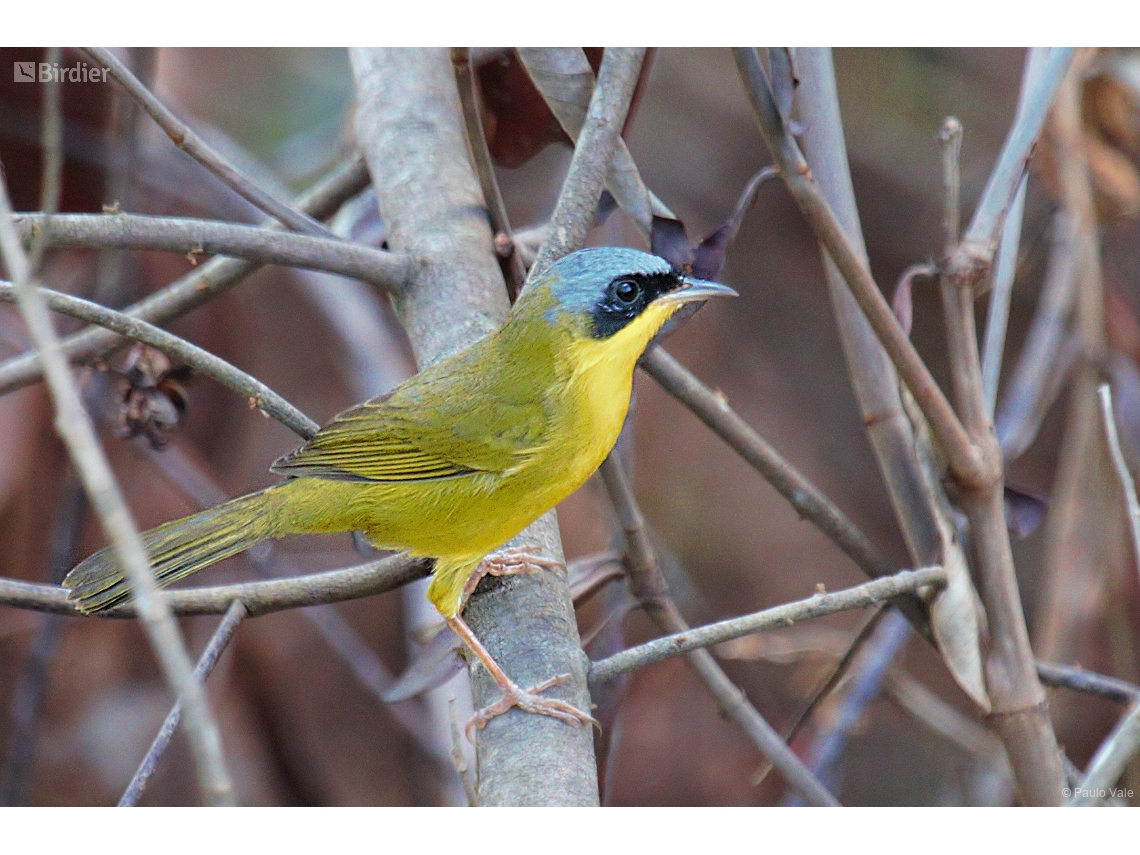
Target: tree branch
{"type": "Point", "coordinates": [966, 460]}
{"type": "Point", "coordinates": [648, 587]}
{"type": "Point", "coordinates": [74, 427]}
{"type": "Point", "coordinates": [409, 121]}
{"type": "Point", "coordinates": [260, 598]}
{"type": "Point", "coordinates": [191, 237]}
{"type": "Point", "coordinates": [511, 261]}
{"type": "Point", "coordinates": [203, 284]}
{"type": "Point", "coordinates": [197, 148]}
{"type": "Point", "coordinates": [256, 392]}
{"type": "Point", "coordinates": [859, 597]}
{"type": "Point", "coordinates": [232, 619]}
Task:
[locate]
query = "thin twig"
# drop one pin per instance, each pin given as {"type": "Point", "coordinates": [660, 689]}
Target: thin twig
{"type": "Point", "coordinates": [807, 499]}
{"type": "Point", "coordinates": [1118, 462]}
{"type": "Point", "coordinates": [967, 461]}
{"type": "Point", "coordinates": [1110, 759]}
{"type": "Point", "coordinates": [74, 427]}
{"type": "Point", "coordinates": [260, 598]}
{"type": "Point", "coordinates": [997, 318]}
{"type": "Point", "coordinates": [1034, 384]}
{"type": "Point", "coordinates": [232, 619]}
{"type": "Point", "coordinates": [648, 586]}
{"type": "Point", "coordinates": [593, 152]}
{"type": "Point", "coordinates": [829, 683]}
{"type": "Point", "coordinates": [201, 285]}
{"type": "Point", "coordinates": [53, 162]}
{"type": "Point", "coordinates": [1089, 682]}
{"type": "Point", "coordinates": [889, 638]}
{"type": "Point", "coordinates": [861, 596]}
{"type": "Point", "coordinates": [257, 393]}
{"type": "Point", "coordinates": [193, 237]}
{"type": "Point", "coordinates": [514, 271]}
{"type": "Point", "coordinates": [197, 148]}
{"type": "Point", "coordinates": [979, 244]}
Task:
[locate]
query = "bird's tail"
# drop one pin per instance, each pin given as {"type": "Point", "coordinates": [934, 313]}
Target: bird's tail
{"type": "Point", "coordinates": [184, 546]}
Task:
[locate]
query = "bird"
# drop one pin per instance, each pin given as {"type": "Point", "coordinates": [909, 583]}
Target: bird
{"type": "Point", "coordinates": [459, 458]}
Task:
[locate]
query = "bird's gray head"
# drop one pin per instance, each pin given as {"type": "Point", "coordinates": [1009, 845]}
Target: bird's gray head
{"type": "Point", "coordinates": [603, 289]}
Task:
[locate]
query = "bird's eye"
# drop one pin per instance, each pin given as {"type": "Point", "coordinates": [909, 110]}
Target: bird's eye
{"type": "Point", "coordinates": [627, 290]}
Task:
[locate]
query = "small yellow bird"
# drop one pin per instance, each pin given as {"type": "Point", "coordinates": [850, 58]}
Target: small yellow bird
{"type": "Point", "coordinates": [460, 458]}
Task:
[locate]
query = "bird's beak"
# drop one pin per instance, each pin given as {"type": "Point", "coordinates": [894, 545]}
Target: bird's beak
{"type": "Point", "coordinates": [695, 290]}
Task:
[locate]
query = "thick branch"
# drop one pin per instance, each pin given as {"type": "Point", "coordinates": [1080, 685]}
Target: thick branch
{"type": "Point", "coordinates": [430, 202]}
{"type": "Point", "coordinates": [193, 237]}
{"type": "Point", "coordinates": [203, 284]}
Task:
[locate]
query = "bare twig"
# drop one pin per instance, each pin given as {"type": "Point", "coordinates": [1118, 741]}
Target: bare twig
{"type": "Point", "coordinates": [1109, 761]}
{"type": "Point", "coordinates": [256, 392]}
{"type": "Point", "coordinates": [74, 427]}
{"type": "Point", "coordinates": [514, 270]}
{"type": "Point", "coordinates": [807, 499]}
{"type": "Point", "coordinates": [966, 460]}
{"type": "Point", "coordinates": [831, 681]}
{"type": "Point", "coordinates": [593, 152]}
{"type": "Point", "coordinates": [232, 619]}
{"type": "Point", "coordinates": [1034, 384]}
{"type": "Point", "coordinates": [979, 244]}
{"type": "Point", "coordinates": [1089, 682]}
{"type": "Point", "coordinates": [203, 284]}
{"type": "Point", "coordinates": [861, 596]}
{"type": "Point", "coordinates": [866, 683]}
{"type": "Point", "coordinates": [192, 237]}
{"type": "Point", "coordinates": [648, 586]}
{"type": "Point", "coordinates": [1126, 482]}
{"type": "Point", "coordinates": [1019, 706]}
{"type": "Point", "coordinates": [197, 148]}
{"type": "Point", "coordinates": [260, 598]}
{"type": "Point", "coordinates": [1006, 265]}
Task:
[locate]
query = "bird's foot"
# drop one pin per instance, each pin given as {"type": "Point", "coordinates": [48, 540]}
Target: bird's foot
{"type": "Point", "coordinates": [507, 562]}
{"type": "Point", "coordinates": [531, 701]}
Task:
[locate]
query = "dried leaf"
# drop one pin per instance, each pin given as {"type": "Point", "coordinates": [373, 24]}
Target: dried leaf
{"type": "Point", "coordinates": [433, 665]}
{"type": "Point", "coordinates": [154, 397]}
{"type": "Point", "coordinates": [957, 617]}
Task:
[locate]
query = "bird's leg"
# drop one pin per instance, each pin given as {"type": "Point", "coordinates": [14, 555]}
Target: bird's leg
{"type": "Point", "coordinates": [505, 562]}
{"type": "Point", "coordinates": [527, 700]}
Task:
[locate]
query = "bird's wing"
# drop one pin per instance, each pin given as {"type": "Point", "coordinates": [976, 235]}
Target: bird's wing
{"type": "Point", "coordinates": [439, 426]}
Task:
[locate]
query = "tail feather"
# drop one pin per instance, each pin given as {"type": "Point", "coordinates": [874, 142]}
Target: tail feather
{"type": "Point", "coordinates": [181, 547]}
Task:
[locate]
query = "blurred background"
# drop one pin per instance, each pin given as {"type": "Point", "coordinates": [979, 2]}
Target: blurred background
{"type": "Point", "coordinates": [296, 693]}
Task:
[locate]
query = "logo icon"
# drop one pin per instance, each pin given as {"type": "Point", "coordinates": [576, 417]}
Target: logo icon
{"type": "Point", "coordinates": [25, 72]}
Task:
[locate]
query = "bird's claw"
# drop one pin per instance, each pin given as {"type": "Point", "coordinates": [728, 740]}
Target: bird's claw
{"type": "Point", "coordinates": [530, 700]}
{"type": "Point", "coordinates": [506, 562]}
